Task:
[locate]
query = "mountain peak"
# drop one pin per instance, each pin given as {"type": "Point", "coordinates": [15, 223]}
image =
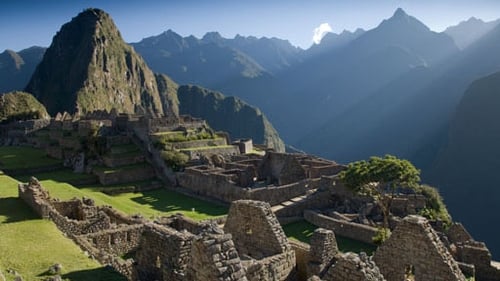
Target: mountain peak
{"type": "Point", "coordinates": [89, 67]}
{"type": "Point", "coordinates": [400, 13]}
{"type": "Point", "coordinates": [213, 36]}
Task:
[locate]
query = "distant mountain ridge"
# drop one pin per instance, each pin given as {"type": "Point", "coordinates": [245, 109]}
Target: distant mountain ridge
{"type": "Point", "coordinates": [16, 68]}
{"type": "Point", "coordinates": [467, 32]}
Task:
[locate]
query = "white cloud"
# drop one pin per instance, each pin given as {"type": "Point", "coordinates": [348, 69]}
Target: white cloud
{"type": "Point", "coordinates": [320, 31]}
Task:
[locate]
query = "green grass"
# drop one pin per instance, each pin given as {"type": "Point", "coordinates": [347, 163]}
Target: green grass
{"type": "Point", "coordinates": [160, 202]}
{"type": "Point", "coordinates": [24, 157]}
{"type": "Point", "coordinates": [107, 170]}
{"type": "Point", "coordinates": [303, 230]}
{"type": "Point", "coordinates": [30, 245]}
{"type": "Point", "coordinates": [63, 175]}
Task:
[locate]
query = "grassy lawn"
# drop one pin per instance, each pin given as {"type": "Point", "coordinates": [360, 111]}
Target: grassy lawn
{"type": "Point", "coordinates": [160, 202]}
{"type": "Point", "coordinates": [303, 230]}
{"type": "Point", "coordinates": [30, 245]}
{"type": "Point", "coordinates": [24, 157]}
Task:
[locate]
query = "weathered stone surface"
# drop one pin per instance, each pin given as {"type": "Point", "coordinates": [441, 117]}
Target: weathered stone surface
{"type": "Point", "coordinates": [354, 267]}
{"type": "Point", "coordinates": [414, 244]}
{"type": "Point", "coordinates": [214, 257]}
{"type": "Point", "coordinates": [323, 250]}
{"type": "Point", "coordinates": [255, 229]}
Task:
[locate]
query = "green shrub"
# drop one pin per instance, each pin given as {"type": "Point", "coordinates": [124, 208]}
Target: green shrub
{"type": "Point", "coordinates": [175, 159]}
{"type": "Point", "coordinates": [382, 235]}
{"type": "Point", "coordinates": [435, 208]}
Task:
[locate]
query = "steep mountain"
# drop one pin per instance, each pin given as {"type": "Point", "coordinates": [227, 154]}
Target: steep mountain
{"type": "Point", "coordinates": [332, 41]}
{"type": "Point", "coordinates": [469, 31]}
{"type": "Point", "coordinates": [229, 114]}
{"type": "Point", "coordinates": [88, 66]}
{"type": "Point", "coordinates": [466, 168]}
{"type": "Point", "coordinates": [17, 68]}
{"type": "Point", "coordinates": [328, 85]}
{"type": "Point", "coordinates": [20, 106]}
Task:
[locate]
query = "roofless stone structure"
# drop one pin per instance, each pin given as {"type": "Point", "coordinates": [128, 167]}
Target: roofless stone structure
{"type": "Point", "coordinates": [414, 248]}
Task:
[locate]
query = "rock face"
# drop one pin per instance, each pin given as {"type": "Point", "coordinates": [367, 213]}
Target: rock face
{"type": "Point", "coordinates": [229, 114]}
{"type": "Point", "coordinates": [20, 106]}
{"type": "Point", "coordinates": [89, 67]}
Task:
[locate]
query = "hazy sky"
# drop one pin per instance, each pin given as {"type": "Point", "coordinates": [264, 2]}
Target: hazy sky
{"type": "Point", "coordinates": [24, 23]}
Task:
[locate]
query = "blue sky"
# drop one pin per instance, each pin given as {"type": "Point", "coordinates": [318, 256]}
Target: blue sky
{"type": "Point", "coordinates": [24, 23]}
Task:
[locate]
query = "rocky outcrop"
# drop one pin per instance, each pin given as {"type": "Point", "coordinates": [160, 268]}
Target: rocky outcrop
{"type": "Point", "coordinates": [89, 67]}
{"type": "Point", "coordinates": [229, 114]}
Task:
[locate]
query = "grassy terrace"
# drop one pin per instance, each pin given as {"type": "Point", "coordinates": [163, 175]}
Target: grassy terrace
{"type": "Point", "coordinates": [24, 157]}
{"type": "Point", "coordinates": [302, 231]}
{"type": "Point", "coordinates": [30, 245]}
{"type": "Point", "coordinates": [160, 202]}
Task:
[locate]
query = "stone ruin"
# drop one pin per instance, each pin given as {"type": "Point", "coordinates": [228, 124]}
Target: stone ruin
{"type": "Point", "coordinates": [274, 178]}
{"type": "Point", "coordinates": [326, 263]}
{"type": "Point", "coordinates": [414, 248]}
{"type": "Point", "coordinates": [172, 248]}
{"type": "Point", "coordinates": [252, 246]}
{"type": "Point", "coordinates": [260, 241]}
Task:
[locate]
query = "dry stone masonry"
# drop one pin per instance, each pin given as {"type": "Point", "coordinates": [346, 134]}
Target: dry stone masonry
{"type": "Point", "coordinates": [415, 248]}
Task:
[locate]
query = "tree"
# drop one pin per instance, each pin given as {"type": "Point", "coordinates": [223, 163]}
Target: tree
{"type": "Point", "coordinates": [379, 178]}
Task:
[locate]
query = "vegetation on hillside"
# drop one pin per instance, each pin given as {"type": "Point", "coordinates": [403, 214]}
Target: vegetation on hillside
{"type": "Point", "coordinates": [229, 114]}
{"type": "Point", "coordinates": [20, 106]}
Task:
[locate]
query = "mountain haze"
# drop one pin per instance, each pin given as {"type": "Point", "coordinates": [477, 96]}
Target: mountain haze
{"type": "Point", "coordinates": [466, 168]}
{"type": "Point", "coordinates": [469, 31]}
{"type": "Point", "coordinates": [16, 68]}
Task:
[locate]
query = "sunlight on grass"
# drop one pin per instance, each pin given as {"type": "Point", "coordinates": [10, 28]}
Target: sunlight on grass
{"type": "Point", "coordinates": [150, 204]}
{"type": "Point", "coordinates": [30, 245]}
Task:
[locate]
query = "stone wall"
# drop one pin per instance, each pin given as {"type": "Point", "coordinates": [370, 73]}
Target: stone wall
{"type": "Point", "coordinates": [135, 174]}
{"type": "Point", "coordinates": [260, 241]}
{"type": "Point", "coordinates": [117, 241]}
{"type": "Point", "coordinates": [36, 197]}
{"type": "Point", "coordinates": [255, 229]}
{"type": "Point", "coordinates": [323, 250]}
{"type": "Point", "coordinates": [281, 169]}
{"type": "Point", "coordinates": [164, 253]}
{"type": "Point", "coordinates": [225, 151]}
{"type": "Point", "coordinates": [279, 267]}
{"type": "Point", "coordinates": [476, 253]}
{"type": "Point", "coordinates": [222, 189]}
{"type": "Point", "coordinates": [214, 257]}
{"type": "Point", "coordinates": [302, 251]}
{"type": "Point", "coordinates": [356, 231]}
{"type": "Point", "coordinates": [415, 246]}
{"type": "Point", "coordinates": [353, 267]}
